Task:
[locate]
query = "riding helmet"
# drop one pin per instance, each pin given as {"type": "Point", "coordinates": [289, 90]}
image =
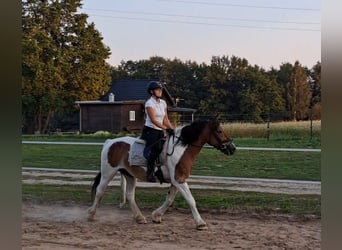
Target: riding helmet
{"type": "Point", "coordinates": [154, 85]}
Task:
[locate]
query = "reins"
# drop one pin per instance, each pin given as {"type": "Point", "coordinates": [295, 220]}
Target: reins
{"type": "Point", "coordinates": [212, 133]}
{"type": "Point", "coordinates": [174, 144]}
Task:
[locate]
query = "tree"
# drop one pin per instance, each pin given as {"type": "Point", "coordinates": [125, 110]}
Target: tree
{"type": "Point", "coordinates": [315, 83]}
{"type": "Point", "coordinates": [219, 83]}
{"type": "Point", "coordinates": [240, 91]}
{"type": "Point", "coordinates": [63, 60]}
{"type": "Point", "coordinates": [143, 69]}
{"type": "Point", "coordinates": [228, 86]}
{"type": "Point", "coordinates": [183, 79]}
{"type": "Point", "coordinates": [42, 77]}
{"type": "Point", "coordinates": [263, 95]}
{"type": "Point", "coordinates": [298, 93]}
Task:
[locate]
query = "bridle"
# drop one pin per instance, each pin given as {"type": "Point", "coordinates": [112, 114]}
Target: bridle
{"type": "Point", "coordinates": [223, 144]}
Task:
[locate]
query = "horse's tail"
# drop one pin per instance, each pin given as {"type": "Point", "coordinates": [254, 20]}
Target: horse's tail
{"type": "Point", "coordinates": [97, 180]}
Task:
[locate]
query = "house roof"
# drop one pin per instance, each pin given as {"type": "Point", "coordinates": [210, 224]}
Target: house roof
{"type": "Point", "coordinates": [109, 103]}
{"type": "Point", "coordinates": [133, 90]}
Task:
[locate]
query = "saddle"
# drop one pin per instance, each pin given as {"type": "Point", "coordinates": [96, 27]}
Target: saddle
{"type": "Point", "coordinates": [136, 155]}
{"type": "Point", "coordinates": [136, 158]}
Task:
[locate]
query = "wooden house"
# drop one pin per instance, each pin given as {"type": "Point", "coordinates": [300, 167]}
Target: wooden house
{"type": "Point", "coordinates": [122, 108]}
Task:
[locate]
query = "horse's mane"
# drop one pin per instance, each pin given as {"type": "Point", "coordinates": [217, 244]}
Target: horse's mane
{"type": "Point", "coordinates": [190, 133]}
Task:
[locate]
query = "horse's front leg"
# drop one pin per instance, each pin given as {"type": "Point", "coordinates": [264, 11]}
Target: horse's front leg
{"type": "Point", "coordinates": [159, 212]}
{"type": "Point", "coordinates": [185, 191]}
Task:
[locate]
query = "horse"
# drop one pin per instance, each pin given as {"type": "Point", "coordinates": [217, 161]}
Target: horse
{"type": "Point", "coordinates": [176, 160]}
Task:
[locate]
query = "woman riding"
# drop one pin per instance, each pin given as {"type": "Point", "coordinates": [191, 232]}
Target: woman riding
{"type": "Point", "coordinates": [156, 122]}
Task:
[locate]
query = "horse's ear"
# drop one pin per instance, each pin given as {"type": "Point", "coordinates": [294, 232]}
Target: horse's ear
{"type": "Point", "coordinates": [215, 120]}
{"type": "Point", "coordinates": [216, 117]}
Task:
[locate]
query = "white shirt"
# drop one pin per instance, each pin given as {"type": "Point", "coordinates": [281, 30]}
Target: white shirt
{"type": "Point", "coordinates": [159, 108]}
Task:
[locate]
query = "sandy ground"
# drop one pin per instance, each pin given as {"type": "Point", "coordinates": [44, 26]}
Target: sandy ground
{"type": "Point", "coordinates": [64, 226]}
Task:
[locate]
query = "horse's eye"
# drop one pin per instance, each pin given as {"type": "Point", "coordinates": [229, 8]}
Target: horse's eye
{"type": "Point", "coordinates": [219, 131]}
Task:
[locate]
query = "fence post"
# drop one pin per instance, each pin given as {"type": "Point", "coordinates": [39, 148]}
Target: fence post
{"type": "Point", "coordinates": [311, 128]}
{"type": "Point", "coordinates": [268, 126]}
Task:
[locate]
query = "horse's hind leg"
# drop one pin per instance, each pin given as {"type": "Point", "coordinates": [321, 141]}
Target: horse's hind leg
{"type": "Point", "coordinates": [130, 194]}
{"type": "Point", "coordinates": [100, 189]}
{"type": "Point", "coordinates": [123, 191]}
{"type": "Point", "coordinates": [159, 212]}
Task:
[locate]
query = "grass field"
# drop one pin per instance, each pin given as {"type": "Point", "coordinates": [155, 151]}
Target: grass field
{"type": "Point", "coordinates": [257, 164]}
{"type": "Point", "coordinates": [282, 134]}
{"type": "Point", "coordinates": [300, 129]}
{"type": "Point", "coordinates": [244, 163]}
{"type": "Point", "coordinates": [253, 164]}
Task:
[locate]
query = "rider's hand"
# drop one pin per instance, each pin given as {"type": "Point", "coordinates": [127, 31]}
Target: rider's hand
{"type": "Point", "coordinates": [170, 131]}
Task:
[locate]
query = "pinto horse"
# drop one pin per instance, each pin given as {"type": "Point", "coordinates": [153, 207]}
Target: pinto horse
{"type": "Point", "coordinates": [177, 157]}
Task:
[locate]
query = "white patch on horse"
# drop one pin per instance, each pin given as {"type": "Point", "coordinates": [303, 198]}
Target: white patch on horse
{"type": "Point", "coordinates": [171, 155]}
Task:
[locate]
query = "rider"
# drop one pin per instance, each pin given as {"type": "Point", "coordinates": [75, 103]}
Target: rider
{"type": "Point", "coordinates": [156, 121]}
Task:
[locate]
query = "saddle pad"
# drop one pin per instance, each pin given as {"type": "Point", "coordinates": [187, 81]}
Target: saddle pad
{"type": "Point", "coordinates": [136, 154]}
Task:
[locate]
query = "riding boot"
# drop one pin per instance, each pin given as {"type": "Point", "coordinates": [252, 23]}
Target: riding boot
{"type": "Point", "coordinates": [150, 174]}
{"type": "Point", "coordinates": [150, 167]}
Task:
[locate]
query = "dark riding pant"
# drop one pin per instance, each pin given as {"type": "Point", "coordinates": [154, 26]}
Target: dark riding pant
{"type": "Point", "coordinates": [154, 144]}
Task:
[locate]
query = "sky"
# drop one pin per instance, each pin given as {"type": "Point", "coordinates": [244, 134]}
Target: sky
{"type": "Point", "coordinates": [267, 33]}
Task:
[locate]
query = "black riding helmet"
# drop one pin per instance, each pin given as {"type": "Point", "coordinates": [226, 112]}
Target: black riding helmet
{"type": "Point", "coordinates": [154, 85]}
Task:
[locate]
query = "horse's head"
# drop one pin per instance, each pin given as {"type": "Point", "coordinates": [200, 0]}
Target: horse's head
{"type": "Point", "coordinates": [219, 139]}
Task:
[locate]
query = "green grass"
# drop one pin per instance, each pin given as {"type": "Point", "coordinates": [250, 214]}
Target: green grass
{"type": "Point", "coordinates": [262, 164]}
{"type": "Point", "coordinates": [75, 137]}
{"type": "Point", "coordinates": [61, 156]}
{"type": "Point", "coordinates": [259, 164]}
{"type": "Point", "coordinates": [253, 164]}
{"type": "Point", "coordinates": [282, 134]}
{"type": "Point", "coordinates": [279, 141]}
{"type": "Point", "coordinates": [218, 200]}
{"type": "Point", "coordinates": [300, 129]}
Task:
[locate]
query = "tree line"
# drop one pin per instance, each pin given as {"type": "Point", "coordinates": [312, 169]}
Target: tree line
{"type": "Point", "coordinates": [63, 61]}
{"type": "Point", "coordinates": [229, 85]}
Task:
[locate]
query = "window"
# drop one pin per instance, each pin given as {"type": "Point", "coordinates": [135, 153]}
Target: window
{"type": "Point", "coordinates": [132, 115]}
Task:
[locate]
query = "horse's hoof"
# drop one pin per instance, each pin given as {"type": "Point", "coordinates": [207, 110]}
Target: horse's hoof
{"type": "Point", "coordinates": [91, 218]}
{"type": "Point", "coordinates": [158, 221]}
{"type": "Point", "coordinates": [156, 218]}
{"type": "Point", "coordinates": [202, 227]}
{"type": "Point", "coordinates": [91, 215]}
{"type": "Point", "coordinates": [141, 220]}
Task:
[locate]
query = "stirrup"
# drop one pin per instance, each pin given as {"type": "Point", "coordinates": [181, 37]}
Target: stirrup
{"type": "Point", "coordinates": [158, 163]}
{"type": "Point", "coordinates": [160, 176]}
{"type": "Point", "coordinates": [151, 178]}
